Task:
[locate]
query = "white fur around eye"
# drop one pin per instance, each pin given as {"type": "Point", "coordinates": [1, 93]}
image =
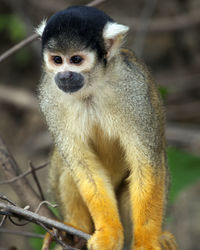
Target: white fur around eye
{"type": "Point", "coordinates": [86, 65]}
{"type": "Point", "coordinates": [112, 30]}
{"type": "Point", "coordinates": [39, 30]}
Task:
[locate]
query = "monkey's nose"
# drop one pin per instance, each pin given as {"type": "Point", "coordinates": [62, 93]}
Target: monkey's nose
{"type": "Point", "coordinates": [69, 81]}
{"type": "Point", "coordinates": [64, 76]}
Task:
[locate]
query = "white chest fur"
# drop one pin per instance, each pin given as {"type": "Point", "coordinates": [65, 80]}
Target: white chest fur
{"type": "Point", "coordinates": [74, 114]}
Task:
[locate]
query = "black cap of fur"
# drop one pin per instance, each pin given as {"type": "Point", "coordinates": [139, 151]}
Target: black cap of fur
{"type": "Point", "coordinates": [77, 27]}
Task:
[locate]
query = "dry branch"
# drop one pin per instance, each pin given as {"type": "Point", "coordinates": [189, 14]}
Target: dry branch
{"type": "Point", "coordinates": [95, 2]}
{"type": "Point", "coordinates": [29, 171]}
{"type": "Point", "coordinates": [22, 188]}
{"type": "Point", "coordinates": [33, 172]}
{"type": "Point", "coordinates": [33, 37]}
{"type": "Point", "coordinates": [164, 24]}
{"type": "Point", "coordinates": [15, 211]}
{"type": "Point", "coordinates": [48, 224]}
{"type": "Point", "coordinates": [18, 46]}
{"type": "Point", "coordinates": [145, 20]}
{"type": "Point", "coordinates": [28, 196]}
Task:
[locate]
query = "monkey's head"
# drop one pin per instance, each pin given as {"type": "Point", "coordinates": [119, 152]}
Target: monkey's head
{"type": "Point", "coordinates": [77, 44]}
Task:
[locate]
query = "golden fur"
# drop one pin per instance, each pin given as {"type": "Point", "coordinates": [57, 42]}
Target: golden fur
{"type": "Point", "coordinates": [108, 169]}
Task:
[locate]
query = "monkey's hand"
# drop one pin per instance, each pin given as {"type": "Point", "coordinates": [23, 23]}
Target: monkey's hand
{"type": "Point", "coordinates": [165, 242]}
{"type": "Point", "coordinates": [107, 239]}
{"type": "Point", "coordinates": [71, 240]}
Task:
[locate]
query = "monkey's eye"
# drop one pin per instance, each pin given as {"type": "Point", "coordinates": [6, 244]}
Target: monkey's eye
{"type": "Point", "coordinates": [76, 59]}
{"type": "Point", "coordinates": [57, 59]}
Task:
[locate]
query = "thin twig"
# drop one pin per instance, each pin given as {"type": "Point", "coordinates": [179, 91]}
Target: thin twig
{"type": "Point", "coordinates": [33, 37]}
{"type": "Point", "coordinates": [23, 189]}
{"type": "Point", "coordinates": [95, 2]}
{"type": "Point", "coordinates": [18, 46]}
{"type": "Point", "coordinates": [166, 24]}
{"type": "Point", "coordinates": [3, 220]}
{"type": "Point", "coordinates": [5, 198]}
{"type": "Point", "coordinates": [145, 18]}
{"type": "Point", "coordinates": [47, 203]}
{"type": "Point", "coordinates": [21, 233]}
{"type": "Point", "coordinates": [7, 209]}
{"type": "Point", "coordinates": [17, 223]}
{"type": "Point", "coordinates": [33, 172]}
{"type": "Point", "coordinates": [27, 195]}
{"type": "Point", "coordinates": [29, 171]}
{"type": "Point", "coordinates": [54, 235]}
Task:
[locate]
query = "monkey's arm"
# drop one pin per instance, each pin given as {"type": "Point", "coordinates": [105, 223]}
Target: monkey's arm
{"type": "Point", "coordinates": [148, 195]}
{"type": "Point", "coordinates": [97, 192]}
{"type": "Point", "coordinates": [144, 140]}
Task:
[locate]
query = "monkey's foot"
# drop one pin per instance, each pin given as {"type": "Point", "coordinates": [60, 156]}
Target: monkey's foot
{"type": "Point", "coordinates": [149, 247]}
{"type": "Point", "coordinates": [167, 241]}
{"type": "Point", "coordinates": [106, 240]}
{"type": "Point", "coordinates": [71, 240]}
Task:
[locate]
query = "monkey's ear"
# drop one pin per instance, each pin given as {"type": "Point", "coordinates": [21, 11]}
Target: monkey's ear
{"type": "Point", "coordinates": [114, 34]}
{"type": "Point", "coordinates": [39, 30]}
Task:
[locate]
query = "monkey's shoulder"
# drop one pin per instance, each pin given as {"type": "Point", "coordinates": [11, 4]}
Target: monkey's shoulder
{"type": "Point", "coordinates": [137, 65]}
{"type": "Point", "coordinates": [130, 58]}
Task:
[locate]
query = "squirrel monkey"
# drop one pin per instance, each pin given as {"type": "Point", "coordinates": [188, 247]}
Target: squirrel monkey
{"type": "Point", "coordinates": [108, 169]}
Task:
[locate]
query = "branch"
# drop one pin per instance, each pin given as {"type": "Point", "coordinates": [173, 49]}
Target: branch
{"type": "Point", "coordinates": [15, 211]}
{"type": "Point", "coordinates": [33, 172]}
{"type": "Point", "coordinates": [22, 188]}
{"type": "Point", "coordinates": [166, 24]}
{"type": "Point", "coordinates": [29, 171]}
{"type": "Point", "coordinates": [55, 236]}
{"type": "Point", "coordinates": [33, 37]}
{"type": "Point", "coordinates": [18, 46]}
{"type": "Point", "coordinates": [145, 19]}
{"type": "Point", "coordinates": [28, 196]}
{"type": "Point", "coordinates": [95, 3]}
{"type": "Point", "coordinates": [44, 202]}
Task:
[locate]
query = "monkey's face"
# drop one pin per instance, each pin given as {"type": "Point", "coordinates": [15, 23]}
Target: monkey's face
{"type": "Point", "coordinates": [69, 70]}
{"type": "Point", "coordinates": [78, 44]}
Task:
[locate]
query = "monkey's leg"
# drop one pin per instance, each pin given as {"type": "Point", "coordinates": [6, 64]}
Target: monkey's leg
{"type": "Point", "coordinates": [95, 187]}
{"type": "Point", "coordinates": [73, 208]}
{"type": "Point", "coordinates": [147, 192]}
{"type": "Point", "coordinates": [71, 204]}
{"type": "Point", "coordinates": [123, 198]}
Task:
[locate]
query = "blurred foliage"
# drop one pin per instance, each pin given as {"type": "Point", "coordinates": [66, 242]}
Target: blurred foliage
{"type": "Point", "coordinates": [184, 168]}
{"type": "Point", "coordinates": [36, 243]}
{"type": "Point", "coordinates": [22, 58]}
{"type": "Point", "coordinates": [164, 92]}
{"type": "Point", "coordinates": [13, 26]}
